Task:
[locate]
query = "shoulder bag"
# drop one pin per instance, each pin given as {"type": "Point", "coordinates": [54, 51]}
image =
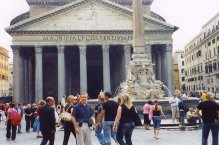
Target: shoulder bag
{"type": "Point", "coordinates": [137, 119]}
{"type": "Point", "coordinates": [66, 116]}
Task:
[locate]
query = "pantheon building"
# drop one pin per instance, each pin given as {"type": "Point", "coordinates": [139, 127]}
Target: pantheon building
{"type": "Point", "coordinates": [63, 47]}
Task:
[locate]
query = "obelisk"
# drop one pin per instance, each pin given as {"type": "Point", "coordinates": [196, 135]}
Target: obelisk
{"type": "Point", "coordinates": [139, 54]}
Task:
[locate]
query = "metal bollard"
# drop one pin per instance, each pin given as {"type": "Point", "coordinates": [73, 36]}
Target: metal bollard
{"type": "Point", "coordinates": [181, 120]}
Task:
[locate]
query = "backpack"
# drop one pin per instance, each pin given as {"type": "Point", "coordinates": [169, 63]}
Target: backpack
{"type": "Point", "coordinates": [16, 120]}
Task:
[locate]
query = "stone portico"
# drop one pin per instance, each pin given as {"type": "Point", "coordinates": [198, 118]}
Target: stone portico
{"type": "Point", "coordinates": [83, 46]}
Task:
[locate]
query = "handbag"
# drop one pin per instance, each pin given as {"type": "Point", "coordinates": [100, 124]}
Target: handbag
{"type": "Point", "coordinates": [137, 119]}
{"type": "Point", "coordinates": [66, 116]}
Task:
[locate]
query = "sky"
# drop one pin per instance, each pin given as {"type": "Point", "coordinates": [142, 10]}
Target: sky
{"type": "Point", "coordinates": [188, 15]}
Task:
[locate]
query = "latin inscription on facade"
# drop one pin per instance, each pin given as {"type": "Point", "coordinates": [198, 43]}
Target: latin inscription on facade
{"type": "Point", "coordinates": [87, 38]}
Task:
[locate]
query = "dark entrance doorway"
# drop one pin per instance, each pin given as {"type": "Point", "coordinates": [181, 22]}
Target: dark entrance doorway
{"type": "Point", "coordinates": [50, 73]}
{"type": "Point", "coordinates": [94, 71]}
{"type": "Point", "coordinates": [72, 61]}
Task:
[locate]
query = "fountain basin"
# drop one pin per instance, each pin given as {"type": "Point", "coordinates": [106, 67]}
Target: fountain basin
{"type": "Point", "coordinates": [190, 102]}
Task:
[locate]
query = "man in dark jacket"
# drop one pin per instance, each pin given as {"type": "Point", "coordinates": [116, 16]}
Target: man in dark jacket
{"type": "Point", "coordinates": [47, 122]}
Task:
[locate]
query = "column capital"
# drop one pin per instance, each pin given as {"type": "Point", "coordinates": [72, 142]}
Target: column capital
{"type": "Point", "coordinates": [15, 49]}
{"type": "Point", "coordinates": [127, 48]}
{"type": "Point", "coordinates": [82, 49]}
{"type": "Point", "coordinates": [105, 48]}
{"type": "Point", "coordinates": [169, 47]}
{"type": "Point", "coordinates": [148, 46]}
{"type": "Point", "coordinates": [60, 48]}
{"type": "Point", "coordinates": [38, 49]}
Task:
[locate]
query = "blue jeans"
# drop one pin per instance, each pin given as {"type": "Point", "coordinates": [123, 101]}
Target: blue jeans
{"type": "Point", "coordinates": [126, 130]}
{"type": "Point", "coordinates": [38, 125]}
{"type": "Point", "coordinates": [156, 121]}
{"type": "Point", "coordinates": [108, 132]}
{"type": "Point", "coordinates": [205, 132]}
{"type": "Point", "coordinates": [99, 135]}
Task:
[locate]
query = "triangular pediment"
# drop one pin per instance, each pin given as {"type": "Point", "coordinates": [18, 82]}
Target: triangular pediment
{"type": "Point", "coordinates": [87, 15]}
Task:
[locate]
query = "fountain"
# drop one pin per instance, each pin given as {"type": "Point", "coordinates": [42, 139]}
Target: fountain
{"type": "Point", "coordinates": [140, 83]}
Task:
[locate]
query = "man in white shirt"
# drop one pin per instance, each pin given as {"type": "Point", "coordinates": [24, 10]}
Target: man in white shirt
{"type": "Point", "coordinates": [174, 102]}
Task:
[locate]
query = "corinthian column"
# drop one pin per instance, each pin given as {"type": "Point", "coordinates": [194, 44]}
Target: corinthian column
{"type": "Point", "coordinates": [38, 73]}
{"type": "Point", "coordinates": [61, 72]}
{"type": "Point", "coordinates": [16, 75]}
{"type": "Point", "coordinates": [169, 62]}
{"type": "Point", "coordinates": [106, 68]}
{"type": "Point", "coordinates": [127, 57]}
{"type": "Point", "coordinates": [83, 68]}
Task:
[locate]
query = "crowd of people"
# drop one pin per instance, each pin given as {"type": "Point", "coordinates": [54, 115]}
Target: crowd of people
{"type": "Point", "coordinates": [110, 119]}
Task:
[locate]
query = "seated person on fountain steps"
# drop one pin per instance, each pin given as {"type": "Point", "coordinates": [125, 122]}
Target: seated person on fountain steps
{"type": "Point", "coordinates": [191, 117]}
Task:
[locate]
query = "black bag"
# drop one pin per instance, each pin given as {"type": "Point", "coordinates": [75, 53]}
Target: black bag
{"type": "Point", "coordinates": [137, 119]}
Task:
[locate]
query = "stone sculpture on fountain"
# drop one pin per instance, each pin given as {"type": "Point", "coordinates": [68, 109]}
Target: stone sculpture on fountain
{"type": "Point", "coordinates": [140, 83]}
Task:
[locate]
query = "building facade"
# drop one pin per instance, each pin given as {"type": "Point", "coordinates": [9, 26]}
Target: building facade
{"type": "Point", "coordinates": [179, 60]}
{"type": "Point", "coordinates": [4, 72]}
{"type": "Point", "coordinates": [67, 47]}
{"type": "Point", "coordinates": [202, 58]}
{"type": "Point", "coordinates": [176, 76]}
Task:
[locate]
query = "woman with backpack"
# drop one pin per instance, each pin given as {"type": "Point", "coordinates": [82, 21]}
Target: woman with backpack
{"type": "Point", "coordinates": [10, 115]}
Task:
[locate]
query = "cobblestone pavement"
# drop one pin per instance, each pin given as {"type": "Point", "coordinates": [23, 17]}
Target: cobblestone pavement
{"type": "Point", "coordinates": [140, 137]}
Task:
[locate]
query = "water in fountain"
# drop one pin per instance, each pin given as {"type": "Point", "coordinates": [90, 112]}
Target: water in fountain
{"type": "Point", "coordinates": [167, 91]}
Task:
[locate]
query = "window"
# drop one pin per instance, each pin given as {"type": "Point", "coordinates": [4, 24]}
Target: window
{"type": "Point", "coordinates": [213, 41]}
{"type": "Point", "coordinates": [215, 66]}
{"type": "Point", "coordinates": [182, 63]}
{"type": "Point", "coordinates": [206, 68]}
{"type": "Point", "coordinates": [210, 68]}
{"type": "Point", "coordinates": [182, 70]}
{"type": "Point", "coordinates": [212, 90]}
{"type": "Point", "coordinates": [183, 79]}
{"type": "Point", "coordinates": [218, 50]}
{"type": "Point", "coordinates": [209, 43]}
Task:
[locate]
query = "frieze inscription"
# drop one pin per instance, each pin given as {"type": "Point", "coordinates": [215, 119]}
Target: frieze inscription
{"type": "Point", "coordinates": [87, 38]}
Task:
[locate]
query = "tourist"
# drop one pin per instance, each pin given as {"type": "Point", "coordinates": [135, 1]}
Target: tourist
{"type": "Point", "coordinates": [21, 112]}
{"type": "Point", "coordinates": [2, 114]}
{"type": "Point", "coordinates": [68, 125]}
{"type": "Point", "coordinates": [174, 108]}
{"type": "Point", "coordinates": [147, 114]}
{"type": "Point", "coordinates": [125, 118]}
{"type": "Point", "coordinates": [157, 111]}
{"type": "Point", "coordinates": [99, 126]}
{"type": "Point", "coordinates": [210, 112]}
{"type": "Point", "coordinates": [7, 106]}
{"type": "Point", "coordinates": [32, 116]}
{"type": "Point", "coordinates": [47, 122]}
{"type": "Point", "coordinates": [63, 101]}
{"type": "Point", "coordinates": [108, 112]}
{"type": "Point", "coordinates": [83, 120]}
{"type": "Point", "coordinates": [10, 114]}
{"type": "Point", "coordinates": [192, 117]}
{"type": "Point", "coordinates": [40, 105]}
{"type": "Point", "coordinates": [28, 113]}
{"type": "Point", "coordinates": [178, 94]}
{"type": "Point", "coordinates": [203, 95]}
